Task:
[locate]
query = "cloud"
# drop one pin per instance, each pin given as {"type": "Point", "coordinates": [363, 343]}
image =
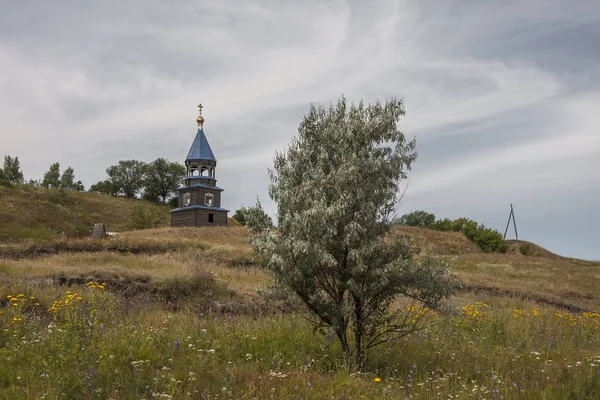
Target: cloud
{"type": "Point", "coordinates": [498, 94]}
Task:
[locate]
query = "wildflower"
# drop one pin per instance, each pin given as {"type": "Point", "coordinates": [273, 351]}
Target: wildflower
{"type": "Point", "coordinates": [377, 379]}
{"type": "Point", "coordinates": [474, 310]}
{"type": "Point", "coordinates": [519, 313]}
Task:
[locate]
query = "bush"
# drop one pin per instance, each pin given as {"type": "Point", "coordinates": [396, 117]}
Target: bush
{"type": "Point", "coordinates": [487, 239]}
{"type": "Point", "coordinates": [444, 225]}
{"type": "Point", "coordinates": [4, 179]}
{"type": "Point", "coordinates": [490, 240]}
{"type": "Point", "coordinates": [240, 215]}
{"type": "Point", "coordinates": [142, 218]}
{"type": "Point", "coordinates": [420, 219]}
{"type": "Point", "coordinates": [526, 249]}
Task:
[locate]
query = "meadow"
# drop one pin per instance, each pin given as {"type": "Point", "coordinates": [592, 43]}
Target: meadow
{"type": "Point", "coordinates": [176, 313]}
{"type": "Point", "coordinates": [28, 212]}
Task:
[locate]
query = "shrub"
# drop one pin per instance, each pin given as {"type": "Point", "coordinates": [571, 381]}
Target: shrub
{"type": "Point", "coordinates": [526, 249]}
{"type": "Point", "coordinates": [418, 218]}
{"type": "Point", "coordinates": [4, 179]}
{"type": "Point", "coordinates": [487, 239]}
{"type": "Point", "coordinates": [240, 215]}
{"type": "Point", "coordinates": [142, 218]}
{"type": "Point", "coordinates": [444, 225]}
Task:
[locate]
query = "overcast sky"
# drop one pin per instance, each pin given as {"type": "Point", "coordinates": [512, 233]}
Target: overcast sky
{"type": "Point", "coordinates": [502, 96]}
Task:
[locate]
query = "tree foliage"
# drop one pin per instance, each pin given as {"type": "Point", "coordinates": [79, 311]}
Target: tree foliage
{"type": "Point", "coordinates": [256, 215]}
{"type": "Point", "coordinates": [3, 178]}
{"type": "Point", "coordinates": [11, 170]}
{"type": "Point", "coordinates": [127, 177]}
{"type": "Point", "coordinates": [67, 180]}
{"type": "Point", "coordinates": [240, 215]}
{"type": "Point", "coordinates": [487, 239]}
{"type": "Point", "coordinates": [420, 219]}
{"type": "Point", "coordinates": [104, 187]}
{"type": "Point", "coordinates": [336, 187]}
{"type": "Point", "coordinates": [161, 179]}
{"type": "Point", "coordinates": [52, 176]}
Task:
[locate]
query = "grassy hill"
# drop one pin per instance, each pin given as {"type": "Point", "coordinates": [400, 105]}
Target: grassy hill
{"type": "Point", "coordinates": [176, 313]}
{"type": "Point", "coordinates": [28, 212]}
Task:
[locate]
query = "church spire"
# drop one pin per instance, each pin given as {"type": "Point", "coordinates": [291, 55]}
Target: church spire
{"type": "Point", "coordinates": [200, 118]}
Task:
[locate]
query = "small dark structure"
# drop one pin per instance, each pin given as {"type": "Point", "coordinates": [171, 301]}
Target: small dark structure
{"type": "Point", "coordinates": [199, 200]}
{"type": "Point", "coordinates": [99, 231]}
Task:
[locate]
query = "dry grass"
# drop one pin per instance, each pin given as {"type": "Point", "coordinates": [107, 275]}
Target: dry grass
{"type": "Point", "coordinates": [558, 280]}
{"type": "Point", "coordinates": [154, 256]}
{"type": "Point", "coordinates": [436, 242]}
{"type": "Point", "coordinates": [524, 247]}
{"type": "Point", "coordinates": [28, 212]}
{"type": "Point", "coordinates": [177, 253]}
{"type": "Point", "coordinates": [180, 318]}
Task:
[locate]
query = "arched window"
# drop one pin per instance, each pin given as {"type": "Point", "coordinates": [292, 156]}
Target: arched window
{"type": "Point", "coordinates": [205, 171]}
{"type": "Point", "coordinates": [187, 199]}
{"type": "Point", "coordinates": [209, 199]}
{"type": "Point", "coordinates": [194, 172]}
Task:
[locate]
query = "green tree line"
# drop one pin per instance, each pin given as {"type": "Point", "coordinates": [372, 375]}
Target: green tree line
{"type": "Point", "coordinates": [156, 181]}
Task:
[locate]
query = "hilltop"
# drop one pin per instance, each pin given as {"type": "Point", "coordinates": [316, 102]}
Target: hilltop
{"type": "Point", "coordinates": [39, 213]}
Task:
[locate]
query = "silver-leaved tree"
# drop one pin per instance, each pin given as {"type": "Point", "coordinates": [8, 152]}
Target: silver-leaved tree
{"type": "Point", "coordinates": [336, 187]}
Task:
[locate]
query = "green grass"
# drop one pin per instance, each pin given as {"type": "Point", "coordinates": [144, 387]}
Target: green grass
{"type": "Point", "coordinates": [105, 346]}
{"type": "Point", "coordinates": [37, 213]}
{"type": "Point", "coordinates": [180, 318]}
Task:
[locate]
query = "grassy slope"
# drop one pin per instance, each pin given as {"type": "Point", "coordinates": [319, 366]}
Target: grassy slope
{"type": "Point", "coordinates": [28, 212]}
{"type": "Point", "coordinates": [553, 280]}
{"type": "Point", "coordinates": [181, 319]}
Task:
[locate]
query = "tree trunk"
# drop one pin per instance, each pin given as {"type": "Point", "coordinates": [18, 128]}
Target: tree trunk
{"type": "Point", "coordinates": [358, 335]}
{"type": "Point", "coordinates": [342, 335]}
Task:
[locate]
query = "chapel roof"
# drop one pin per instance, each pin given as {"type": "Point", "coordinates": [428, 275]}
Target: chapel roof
{"type": "Point", "coordinates": [200, 149]}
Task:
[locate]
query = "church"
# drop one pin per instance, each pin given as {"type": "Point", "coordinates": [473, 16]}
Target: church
{"type": "Point", "coordinates": [199, 199]}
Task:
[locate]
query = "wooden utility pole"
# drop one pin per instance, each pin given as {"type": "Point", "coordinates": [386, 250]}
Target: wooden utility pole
{"type": "Point", "coordinates": [77, 217]}
{"type": "Point", "coordinates": [511, 215]}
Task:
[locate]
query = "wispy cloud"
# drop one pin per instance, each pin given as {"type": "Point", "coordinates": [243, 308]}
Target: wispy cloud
{"type": "Point", "coordinates": [489, 86]}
